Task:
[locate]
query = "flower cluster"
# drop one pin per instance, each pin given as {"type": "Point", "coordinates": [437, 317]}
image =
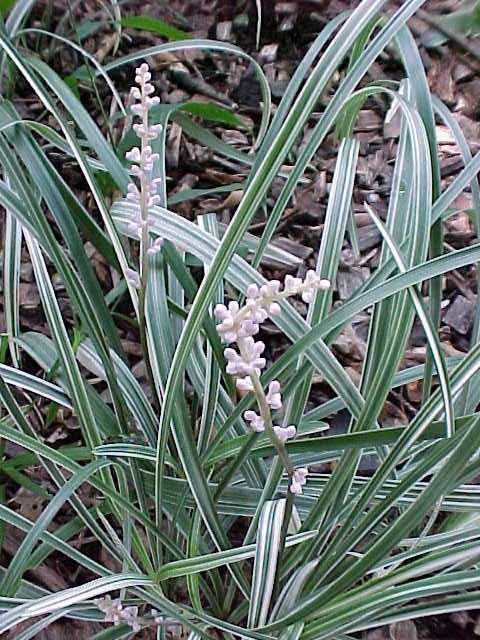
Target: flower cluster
{"type": "Point", "coordinates": [174, 627]}
{"type": "Point", "coordinates": [115, 612]}
{"type": "Point", "coordinates": [299, 480]}
{"type": "Point", "coordinates": [118, 614]}
{"type": "Point", "coordinates": [144, 190]}
{"type": "Point", "coordinates": [237, 325]}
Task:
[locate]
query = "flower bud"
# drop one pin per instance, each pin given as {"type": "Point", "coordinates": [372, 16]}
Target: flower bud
{"type": "Point", "coordinates": [244, 384]}
{"type": "Point", "coordinates": [274, 397]}
{"type": "Point", "coordinates": [285, 433]}
{"type": "Point", "coordinates": [253, 291]}
{"type": "Point", "coordinates": [132, 278]}
{"type": "Point", "coordinates": [133, 155]}
{"type": "Point", "coordinates": [256, 421]}
{"type": "Point", "coordinates": [299, 480]}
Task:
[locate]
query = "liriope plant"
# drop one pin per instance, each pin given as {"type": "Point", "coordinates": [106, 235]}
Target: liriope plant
{"type": "Point", "coordinates": [209, 502]}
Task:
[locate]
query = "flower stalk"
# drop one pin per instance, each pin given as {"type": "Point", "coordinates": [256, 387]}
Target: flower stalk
{"type": "Point", "coordinates": [237, 326]}
{"type": "Point", "coordinates": [144, 193]}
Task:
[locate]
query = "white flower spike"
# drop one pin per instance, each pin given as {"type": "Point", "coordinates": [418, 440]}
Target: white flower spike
{"type": "Point", "coordinates": [238, 326]}
{"type": "Point", "coordinates": [143, 158]}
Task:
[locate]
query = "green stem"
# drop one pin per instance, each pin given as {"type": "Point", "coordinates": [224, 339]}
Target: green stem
{"type": "Point", "coordinates": [286, 461]}
{"type": "Point", "coordinates": [267, 419]}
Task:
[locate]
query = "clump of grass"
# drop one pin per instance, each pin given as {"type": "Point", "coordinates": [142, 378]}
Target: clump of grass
{"type": "Point", "coordinates": [178, 466]}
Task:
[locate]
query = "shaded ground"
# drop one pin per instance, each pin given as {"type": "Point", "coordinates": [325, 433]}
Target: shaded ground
{"type": "Point", "coordinates": [287, 30]}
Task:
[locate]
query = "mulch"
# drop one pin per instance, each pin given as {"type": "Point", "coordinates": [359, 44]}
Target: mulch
{"type": "Point", "coordinates": [288, 29]}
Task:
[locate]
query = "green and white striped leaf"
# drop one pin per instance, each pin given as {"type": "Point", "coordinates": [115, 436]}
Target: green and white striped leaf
{"type": "Point", "coordinates": [265, 563]}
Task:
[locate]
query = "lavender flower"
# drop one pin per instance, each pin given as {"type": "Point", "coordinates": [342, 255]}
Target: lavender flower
{"type": "Point", "coordinates": [244, 384]}
{"type": "Point", "coordinates": [285, 433]}
{"type": "Point", "coordinates": [155, 247]}
{"type": "Point", "coordinates": [312, 283]}
{"type": "Point", "coordinates": [144, 191]}
{"type": "Point", "coordinates": [115, 612]}
{"type": "Point", "coordinates": [111, 608]}
{"type": "Point", "coordinates": [237, 326]}
{"type": "Point", "coordinates": [274, 397]}
{"type": "Point", "coordinates": [132, 278]}
{"type": "Point", "coordinates": [256, 422]}
{"type": "Point", "coordinates": [130, 617]}
{"type": "Point", "coordinates": [299, 480]}
{"type": "Point", "coordinates": [172, 626]}
{"type": "Point", "coordinates": [249, 361]}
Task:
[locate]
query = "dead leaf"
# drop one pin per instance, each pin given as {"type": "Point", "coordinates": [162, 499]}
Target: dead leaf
{"type": "Point", "coordinates": [460, 314]}
{"type": "Point", "coordinates": [230, 202]}
{"type": "Point", "coordinates": [440, 79]}
{"type": "Point", "coordinates": [461, 618]}
{"type": "Point", "coordinates": [107, 43]}
{"type": "Point", "coordinates": [30, 504]}
{"type": "Point", "coordinates": [414, 391]}
{"type": "Point", "coordinates": [29, 298]}
{"type": "Point", "coordinates": [404, 630]}
{"type": "Point", "coordinates": [172, 151]}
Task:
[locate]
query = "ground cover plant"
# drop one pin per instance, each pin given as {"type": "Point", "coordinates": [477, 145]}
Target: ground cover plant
{"type": "Point", "coordinates": [216, 499]}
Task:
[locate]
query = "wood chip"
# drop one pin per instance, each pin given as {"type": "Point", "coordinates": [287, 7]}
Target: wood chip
{"type": "Point", "coordinates": [378, 634]}
{"type": "Point", "coordinates": [286, 7]}
{"type": "Point", "coordinates": [224, 31]}
{"type": "Point", "coordinates": [441, 80]}
{"type": "Point", "coordinates": [268, 53]}
{"type": "Point", "coordinates": [460, 314]}
{"type": "Point", "coordinates": [173, 145]}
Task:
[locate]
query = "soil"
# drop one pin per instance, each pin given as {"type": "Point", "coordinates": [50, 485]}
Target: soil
{"type": "Point", "coordinates": [288, 28]}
